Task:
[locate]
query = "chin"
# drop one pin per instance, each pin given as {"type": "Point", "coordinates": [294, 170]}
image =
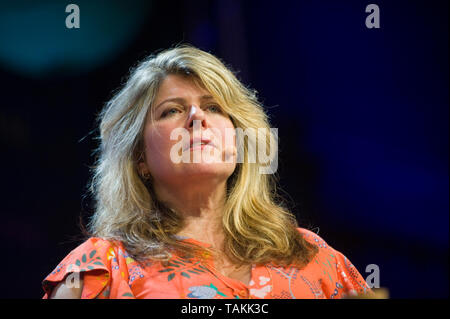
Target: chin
{"type": "Point", "coordinates": [208, 169]}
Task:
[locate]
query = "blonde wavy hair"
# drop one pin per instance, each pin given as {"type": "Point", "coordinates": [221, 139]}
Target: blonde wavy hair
{"type": "Point", "coordinates": [257, 229]}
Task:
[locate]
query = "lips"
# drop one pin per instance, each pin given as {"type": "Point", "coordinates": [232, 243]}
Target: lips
{"type": "Point", "coordinates": [198, 143]}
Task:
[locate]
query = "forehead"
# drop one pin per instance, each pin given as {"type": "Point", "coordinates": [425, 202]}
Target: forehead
{"type": "Point", "coordinates": [179, 86]}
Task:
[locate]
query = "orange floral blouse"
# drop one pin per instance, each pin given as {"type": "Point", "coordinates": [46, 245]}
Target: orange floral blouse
{"type": "Point", "coordinates": [109, 272]}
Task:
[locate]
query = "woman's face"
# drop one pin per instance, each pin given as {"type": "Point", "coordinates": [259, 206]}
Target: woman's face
{"type": "Point", "coordinates": [200, 147]}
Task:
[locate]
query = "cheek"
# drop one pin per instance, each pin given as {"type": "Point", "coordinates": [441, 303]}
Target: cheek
{"type": "Point", "coordinates": [228, 141]}
{"type": "Point", "coordinates": [157, 144]}
{"type": "Point", "coordinates": [157, 136]}
{"type": "Point", "coordinates": [228, 133]}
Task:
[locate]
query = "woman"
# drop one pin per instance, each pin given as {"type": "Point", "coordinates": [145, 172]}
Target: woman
{"type": "Point", "coordinates": [206, 228]}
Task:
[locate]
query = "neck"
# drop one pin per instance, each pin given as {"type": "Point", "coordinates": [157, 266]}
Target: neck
{"type": "Point", "coordinates": [201, 205]}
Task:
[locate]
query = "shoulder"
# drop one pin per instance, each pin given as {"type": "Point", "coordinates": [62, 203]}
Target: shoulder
{"type": "Point", "coordinates": [324, 248]}
{"type": "Point", "coordinates": [95, 255]}
{"type": "Point", "coordinates": [313, 238]}
{"type": "Point", "coordinates": [344, 277]}
{"type": "Point", "coordinates": [97, 245]}
{"type": "Point", "coordinates": [93, 252]}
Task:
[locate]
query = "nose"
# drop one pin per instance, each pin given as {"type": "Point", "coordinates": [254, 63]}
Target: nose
{"type": "Point", "coordinates": [196, 114]}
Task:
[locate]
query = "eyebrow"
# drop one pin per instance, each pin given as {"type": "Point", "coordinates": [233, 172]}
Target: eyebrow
{"type": "Point", "coordinates": [182, 100]}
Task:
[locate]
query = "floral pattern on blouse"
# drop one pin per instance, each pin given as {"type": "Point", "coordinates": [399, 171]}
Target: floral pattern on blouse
{"type": "Point", "coordinates": [109, 272]}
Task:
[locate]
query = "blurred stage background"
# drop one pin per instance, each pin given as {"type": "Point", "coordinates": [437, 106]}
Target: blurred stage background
{"type": "Point", "coordinates": [362, 117]}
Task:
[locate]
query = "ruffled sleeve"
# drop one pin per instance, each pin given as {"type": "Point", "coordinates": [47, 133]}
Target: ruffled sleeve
{"type": "Point", "coordinates": [103, 265]}
{"type": "Point", "coordinates": [344, 279]}
{"type": "Point", "coordinates": [352, 281]}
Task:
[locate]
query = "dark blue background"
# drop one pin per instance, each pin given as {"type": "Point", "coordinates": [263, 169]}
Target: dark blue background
{"type": "Point", "coordinates": [362, 116]}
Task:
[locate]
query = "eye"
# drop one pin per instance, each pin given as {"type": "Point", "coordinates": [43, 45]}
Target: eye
{"type": "Point", "coordinates": [214, 108]}
{"type": "Point", "coordinates": [169, 112]}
